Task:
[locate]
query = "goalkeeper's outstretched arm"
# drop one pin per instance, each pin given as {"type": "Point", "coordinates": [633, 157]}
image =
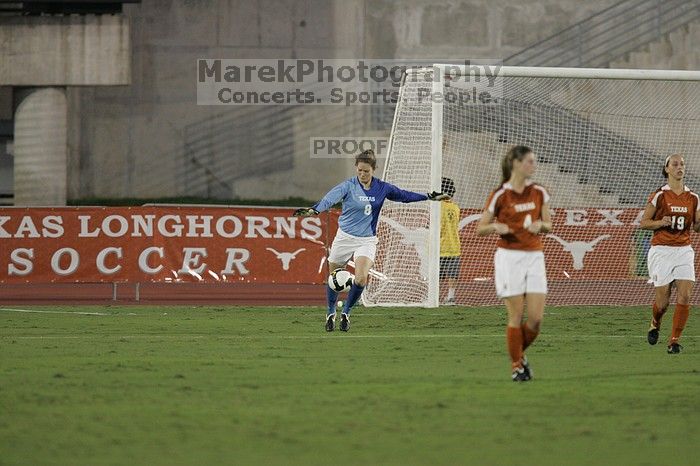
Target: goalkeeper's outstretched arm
{"type": "Point", "coordinates": [331, 198]}
{"type": "Point", "coordinates": [436, 196]}
{"type": "Point", "coordinates": [400, 195]}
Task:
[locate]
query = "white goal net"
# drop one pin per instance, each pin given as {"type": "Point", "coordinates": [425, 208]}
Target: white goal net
{"type": "Point", "coordinates": [600, 138]}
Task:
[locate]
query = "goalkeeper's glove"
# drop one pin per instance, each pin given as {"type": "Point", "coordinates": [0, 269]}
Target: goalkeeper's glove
{"type": "Point", "coordinates": [436, 196]}
{"type": "Point", "coordinates": [305, 212]}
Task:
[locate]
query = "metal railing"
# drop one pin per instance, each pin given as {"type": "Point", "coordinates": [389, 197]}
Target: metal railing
{"type": "Point", "coordinates": [234, 145]}
{"type": "Point", "coordinates": [609, 34]}
{"type": "Point", "coordinates": [594, 42]}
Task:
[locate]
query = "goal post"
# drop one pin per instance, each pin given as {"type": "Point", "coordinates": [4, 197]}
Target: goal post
{"type": "Point", "coordinates": [435, 177]}
{"type": "Point", "coordinates": [600, 137]}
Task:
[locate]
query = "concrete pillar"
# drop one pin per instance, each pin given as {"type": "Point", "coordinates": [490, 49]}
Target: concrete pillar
{"type": "Point", "coordinates": [40, 147]}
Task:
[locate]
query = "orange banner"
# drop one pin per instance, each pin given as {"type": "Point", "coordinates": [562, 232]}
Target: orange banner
{"type": "Point", "coordinates": [268, 245]}
{"type": "Point", "coordinates": [163, 243]}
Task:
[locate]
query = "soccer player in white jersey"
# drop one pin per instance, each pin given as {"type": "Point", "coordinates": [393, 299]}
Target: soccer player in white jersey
{"type": "Point", "coordinates": [362, 197]}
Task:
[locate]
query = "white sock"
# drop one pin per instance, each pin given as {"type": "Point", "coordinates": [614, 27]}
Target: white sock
{"type": "Point", "coordinates": [451, 293]}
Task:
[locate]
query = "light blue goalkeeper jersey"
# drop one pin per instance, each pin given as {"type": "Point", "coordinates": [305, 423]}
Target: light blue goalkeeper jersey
{"type": "Point", "coordinates": [361, 207]}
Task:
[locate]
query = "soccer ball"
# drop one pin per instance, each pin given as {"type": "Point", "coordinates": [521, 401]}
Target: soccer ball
{"type": "Point", "coordinates": [340, 280]}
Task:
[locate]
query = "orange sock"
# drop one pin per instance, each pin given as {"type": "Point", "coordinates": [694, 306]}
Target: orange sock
{"type": "Point", "coordinates": [514, 337]}
{"type": "Point", "coordinates": [657, 314]}
{"type": "Point", "coordinates": [680, 317]}
{"type": "Point", "coordinates": [529, 335]}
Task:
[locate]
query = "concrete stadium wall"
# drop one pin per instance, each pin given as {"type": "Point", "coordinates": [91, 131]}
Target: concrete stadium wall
{"type": "Point", "coordinates": [64, 50]}
{"type": "Point", "coordinates": [136, 141]}
{"type": "Point", "coordinates": [39, 57]}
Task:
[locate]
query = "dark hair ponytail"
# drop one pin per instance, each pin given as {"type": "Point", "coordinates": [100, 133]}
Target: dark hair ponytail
{"type": "Point", "coordinates": [367, 157]}
{"type": "Point", "coordinates": [514, 153]}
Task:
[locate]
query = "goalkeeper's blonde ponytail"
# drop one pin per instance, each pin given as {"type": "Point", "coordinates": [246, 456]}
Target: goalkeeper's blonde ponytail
{"type": "Point", "coordinates": [514, 153]}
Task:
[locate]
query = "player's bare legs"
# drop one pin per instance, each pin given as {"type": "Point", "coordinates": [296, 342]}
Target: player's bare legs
{"type": "Point", "coordinates": [662, 295]}
{"type": "Point", "coordinates": [515, 305]}
{"type": "Point", "coordinates": [535, 312]}
{"type": "Point", "coordinates": [684, 289]}
{"type": "Point", "coordinates": [362, 266]}
{"type": "Point", "coordinates": [451, 285]}
{"type": "Point", "coordinates": [333, 266]}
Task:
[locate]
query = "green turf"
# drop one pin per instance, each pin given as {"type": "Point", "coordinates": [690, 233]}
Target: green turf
{"type": "Point", "coordinates": [249, 386]}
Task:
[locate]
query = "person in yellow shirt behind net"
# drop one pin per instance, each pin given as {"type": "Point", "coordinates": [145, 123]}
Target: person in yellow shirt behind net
{"type": "Point", "coordinates": [449, 241]}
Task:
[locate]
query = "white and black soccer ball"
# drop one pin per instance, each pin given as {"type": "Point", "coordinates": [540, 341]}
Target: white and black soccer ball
{"type": "Point", "coordinates": [340, 280]}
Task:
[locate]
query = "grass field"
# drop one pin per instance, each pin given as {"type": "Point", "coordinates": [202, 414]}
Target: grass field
{"type": "Point", "coordinates": [223, 385]}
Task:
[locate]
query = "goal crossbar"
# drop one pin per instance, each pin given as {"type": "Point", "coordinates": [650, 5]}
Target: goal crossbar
{"type": "Point", "coordinates": [572, 73]}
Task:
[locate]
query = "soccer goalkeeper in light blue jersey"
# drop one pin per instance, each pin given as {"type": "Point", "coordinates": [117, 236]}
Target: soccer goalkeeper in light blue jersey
{"type": "Point", "coordinates": [362, 197]}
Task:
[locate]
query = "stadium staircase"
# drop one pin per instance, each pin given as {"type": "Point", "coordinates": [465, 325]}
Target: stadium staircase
{"type": "Point", "coordinates": [561, 138]}
{"type": "Point", "coordinates": [609, 35]}
{"type": "Point", "coordinates": [223, 153]}
{"type": "Point", "coordinates": [629, 34]}
{"type": "Point", "coordinates": [677, 50]}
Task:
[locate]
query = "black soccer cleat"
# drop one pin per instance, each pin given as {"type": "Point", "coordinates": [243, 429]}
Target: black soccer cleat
{"type": "Point", "coordinates": [526, 366]}
{"type": "Point", "coordinates": [674, 348]}
{"type": "Point", "coordinates": [344, 322]}
{"type": "Point", "coordinates": [330, 322]}
{"type": "Point", "coordinates": [653, 335]}
{"type": "Point", "coordinates": [520, 375]}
